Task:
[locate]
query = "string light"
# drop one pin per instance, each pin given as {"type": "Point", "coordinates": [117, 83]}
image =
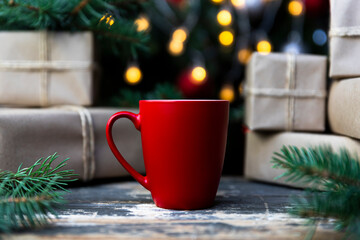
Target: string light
{"type": "Point", "coordinates": [198, 75]}
{"type": "Point", "coordinates": [175, 47]}
{"type": "Point", "coordinates": [295, 7]}
{"type": "Point", "coordinates": [239, 4]}
{"type": "Point", "coordinates": [142, 23]}
{"type": "Point", "coordinates": [226, 38]}
{"type": "Point", "coordinates": [224, 17]}
{"type": "Point", "coordinates": [264, 47]}
{"type": "Point", "coordinates": [109, 19]}
{"type": "Point", "coordinates": [180, 34]}
{"type": "Point", "coordinates": [319, 37]}
{"type": "Point", "coordinates": [133, 75]}
{"type": "Point", "coordinates": [176, 44]}
{"type": "Point", "coordinates": [227, 93]}
{"type": "Point", "coordinates": [217, 1]}
{"type": "Point", "coordinates": [244, 55]}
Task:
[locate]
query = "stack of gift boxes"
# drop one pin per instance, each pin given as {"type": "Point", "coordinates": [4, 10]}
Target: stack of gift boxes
{"type": "Point", "coordinates": [287, 102]}
{"type": "Point", "coordinates": [46, 84]}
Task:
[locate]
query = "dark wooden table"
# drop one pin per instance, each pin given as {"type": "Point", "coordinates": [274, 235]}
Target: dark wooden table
{"type": "Point", "coordinates": [124, 210]}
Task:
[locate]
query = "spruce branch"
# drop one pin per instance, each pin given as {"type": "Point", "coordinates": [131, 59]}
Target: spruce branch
{"type": "Point", "coordinates": [78, 15]}
{"type": "Point", "coordinates": [334, 180]}
{"type": "Point", "coordinates": [80, 6]}
{"type": "Point", "coordinates": [318, 165]}
{"type": "Point", "coordinates": [28, 197]}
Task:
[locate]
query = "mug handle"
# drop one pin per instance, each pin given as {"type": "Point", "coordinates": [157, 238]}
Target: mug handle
{"type": "Point", "coordinates": [135, 119]}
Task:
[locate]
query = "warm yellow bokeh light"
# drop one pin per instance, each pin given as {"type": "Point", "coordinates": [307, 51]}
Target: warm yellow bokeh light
{"type": "Point", "coordinates": [239, 4]}
{"type": "Point", "coordinates": [244, 55]}
{"type": "Point", "coordinates": [180, 34]}
{"type": "Point", "coordinates": [295, 8]}
{"type": "Point", "coordinates": [133, 75]}
{"type": "Point", "coordinates": [263, 47]}
{"type": "Point", "coordinates": [217, 1]}
{"type": "Point", "coordinates": [142, 23]}
{"type": "Point", "coordinates": [224, 17]}
{"type": "Point", "coordinates": [198, 75]}
{"type": "Point", "coordinates": [226, 38]}
{"type": "Point", "coordinates": [227, 93]}
{"type": "Point", "coordinates": [175, 47]}
{"type": "Point", "coordinates": [109, 19]}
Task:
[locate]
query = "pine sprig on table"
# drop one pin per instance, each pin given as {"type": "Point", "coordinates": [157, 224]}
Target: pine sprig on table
{"type": "Point", "coordinates": [334, 180]}
{"type": "Point", "coordinates": [29, 195]}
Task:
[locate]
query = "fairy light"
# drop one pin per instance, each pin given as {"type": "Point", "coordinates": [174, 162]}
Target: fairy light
{"type": "Point", "coordinates": [239, 4]}
{"type": "Point", "coordinates": [226, 38]}
{"type": "Point", "coordinates": [142, 23]}
{"type": "Point", "coordinates": [295, 7]}
{"type": "Point", "coordinates": [109, 19]}
{"type": "Point", "coordinates": [198, 75]}
{"type": "Point", "coordinates": [180, 34]}
{"type": "Point", "coordinates": [224, 17]}
{"type": "Point", "coordinates": [176, 47]}
{"type": "Point", "coordinates": [217, 1]}
{"type": "Point", "coordinates": [264, 47]}
{"type": "Point", "coordinates": [227, 93]}
{"type": "Point", "coordinates": [244, 55]}
{"type": "Point", "coordinates": [133, 75]}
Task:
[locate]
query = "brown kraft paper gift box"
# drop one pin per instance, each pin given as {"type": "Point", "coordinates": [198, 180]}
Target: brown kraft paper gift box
{"type": "Point", "coordinates": [40, 68]}
{"type": "Point", "coordinates": [285, 92]}
{"type": "Point", "coordinates": [260, 148]}
{"type": "Point", "coordinates": [344, 37]}
{"type": "Point", "coordinates": [74, 132]}
{"type": "Point", "coordinates": [344, 107]}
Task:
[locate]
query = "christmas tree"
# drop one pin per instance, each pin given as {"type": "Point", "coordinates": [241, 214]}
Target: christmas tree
{"type": "Point", "coordinates": [202, 47]}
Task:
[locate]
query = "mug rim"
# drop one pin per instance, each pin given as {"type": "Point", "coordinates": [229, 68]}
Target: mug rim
{"type": "Point", "coordinates": [184, 100]}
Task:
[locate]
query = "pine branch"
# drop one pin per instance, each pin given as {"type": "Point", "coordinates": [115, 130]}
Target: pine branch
{"type": "Point", "coordinates": [80, 15]}
{"type": "Point", "coordinates": [29, 196]}
{"type": "Point", "coordinates": [319, 165]}
{"type": "Point", "coordinates": [80, 6]}
{"type": "Point", "coordinates": [337, 174]}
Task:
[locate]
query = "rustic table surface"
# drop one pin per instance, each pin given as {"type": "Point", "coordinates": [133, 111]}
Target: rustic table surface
{"type": "Point", "coordinates": [124, 210]}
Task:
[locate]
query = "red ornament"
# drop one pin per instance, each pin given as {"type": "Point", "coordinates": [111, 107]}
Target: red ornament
{"type": "Point", "coordinates": [315, 7]}
{"type": "Point", "coordinates": [192, 88]}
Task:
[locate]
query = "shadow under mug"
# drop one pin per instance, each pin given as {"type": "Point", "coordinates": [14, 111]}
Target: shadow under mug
{"type": "Point", "coordinates": [183, 145]}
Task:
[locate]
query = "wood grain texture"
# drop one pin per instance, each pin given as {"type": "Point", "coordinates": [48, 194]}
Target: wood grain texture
{"type": "Point", "coordinates": [124, 210]}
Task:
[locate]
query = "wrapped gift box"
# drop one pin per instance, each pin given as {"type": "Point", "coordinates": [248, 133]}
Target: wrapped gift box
{"type": "Point", "coordinates": [39, 68]}
{"type": "Point", "coordinates": [74, 132]}
{"type": "Point", "coordinates": [285, 92]}
{"type": "Point", "coordinates": [344, 107]}
{"type": "Point", "coordinates": [344, 38]}
{"type": "Point", "coordinates": [260, 148]}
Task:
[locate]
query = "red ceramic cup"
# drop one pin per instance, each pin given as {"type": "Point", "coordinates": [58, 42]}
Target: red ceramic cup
{"type": "Point", "coordinates": [183, 145]}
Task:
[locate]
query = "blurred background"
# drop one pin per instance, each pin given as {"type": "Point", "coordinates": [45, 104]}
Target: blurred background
{"type": "Point", "coordinates": [171, 49]}
{"type": "Point", "coordinates": [200, 48]}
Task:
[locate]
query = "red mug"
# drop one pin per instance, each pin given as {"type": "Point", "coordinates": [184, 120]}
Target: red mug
{"type": "Point", "coordinates": [183, 145]}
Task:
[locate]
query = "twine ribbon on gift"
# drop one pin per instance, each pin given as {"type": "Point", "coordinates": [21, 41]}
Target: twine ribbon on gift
{"type": "Point", "coordinates": [353, 31]}
{"type": "Point", "coordinates": [290, 84]}
{"type": "Point", "coordinates": [290, 92]}
{"type": "Point", "coordinates": [44, 65]}
{"type": "Point", "coordinates": [88, 137]}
